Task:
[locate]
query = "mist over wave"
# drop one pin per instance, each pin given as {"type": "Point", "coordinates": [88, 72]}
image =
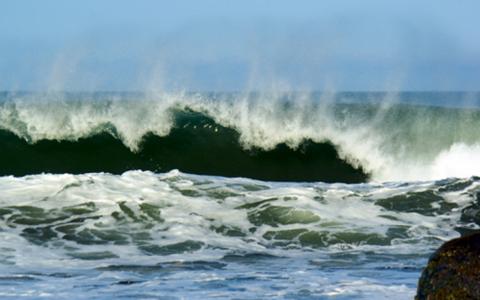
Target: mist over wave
{"type": "Point", "coordinates": [388, 137]}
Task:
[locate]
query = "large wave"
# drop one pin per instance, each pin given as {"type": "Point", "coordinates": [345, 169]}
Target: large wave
{"type": "Point", "coordinates": [195, 144]}
{"type": "Point", "coordinates": [274, 136]}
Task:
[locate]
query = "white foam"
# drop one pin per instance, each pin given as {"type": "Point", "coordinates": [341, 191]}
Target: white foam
{"type": "Point", "coordinates": [190, 211]}
{"type": "Point", "coordinates": [460, 160]}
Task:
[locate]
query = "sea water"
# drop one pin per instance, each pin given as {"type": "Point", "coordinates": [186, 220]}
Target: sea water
{"type": "Point", "coordinates": [232, 195]}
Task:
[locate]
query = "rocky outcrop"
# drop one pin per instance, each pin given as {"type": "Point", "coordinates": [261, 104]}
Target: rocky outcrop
{"type": "Point", "coordinates": [453, 271]}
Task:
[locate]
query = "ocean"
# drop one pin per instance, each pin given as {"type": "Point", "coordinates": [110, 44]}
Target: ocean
{"type": "Point", "coordinates": [259, 195]}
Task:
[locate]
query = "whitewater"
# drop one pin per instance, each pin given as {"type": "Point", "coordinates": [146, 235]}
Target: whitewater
{"type": "Point", "coordinates": [283, 195]}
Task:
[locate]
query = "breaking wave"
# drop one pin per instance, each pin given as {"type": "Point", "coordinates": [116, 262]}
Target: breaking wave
{"type": "Point", "coordinates": [286, 136]}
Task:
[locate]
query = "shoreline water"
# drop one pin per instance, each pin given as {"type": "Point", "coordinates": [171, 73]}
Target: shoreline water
{"type": "Point", "coordinates": [178, 235]}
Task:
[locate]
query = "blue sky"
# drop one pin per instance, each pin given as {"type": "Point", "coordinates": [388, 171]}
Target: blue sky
{"type": "Point", "coordinates": [239, 45]}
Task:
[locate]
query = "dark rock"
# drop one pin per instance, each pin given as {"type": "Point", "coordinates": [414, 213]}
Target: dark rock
{"type": "Point", "coordinates": [453, 271]}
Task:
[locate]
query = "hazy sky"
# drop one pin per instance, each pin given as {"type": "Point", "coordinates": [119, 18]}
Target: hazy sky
{"type": "Point", "coordinates": [239, 45]}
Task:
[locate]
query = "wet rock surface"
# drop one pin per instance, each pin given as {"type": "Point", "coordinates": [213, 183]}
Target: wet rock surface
{"type": "Point", "coordinates": [453, 271]}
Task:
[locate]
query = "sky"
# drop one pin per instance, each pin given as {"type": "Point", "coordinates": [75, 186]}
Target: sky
{"type": "Point", "coordinates": [215, 45]}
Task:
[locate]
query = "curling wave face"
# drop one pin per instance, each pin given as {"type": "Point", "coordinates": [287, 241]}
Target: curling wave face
{"type": "Point", "coordinates": [285, 136]}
